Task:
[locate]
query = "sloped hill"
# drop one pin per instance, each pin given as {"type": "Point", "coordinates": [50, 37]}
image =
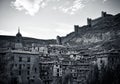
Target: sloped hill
{"type": "Point", "coordinates": [102, 30]}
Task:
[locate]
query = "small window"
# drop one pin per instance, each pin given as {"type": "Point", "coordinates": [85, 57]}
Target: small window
{"type": "Point", "coordinates": [101, 61]}
{"type": "Point", "coordinates": [28, 78]}
{"type": "Point", "coordinates": [60, 66]}
{"type": "Point", "coordinates": [57, 70]}
{"type": "Point", "coordinates": [20, 66]}
{"type": "Point", "coordinates": [20, 59]}
{"type": "Point", "coordinates": [19, 72]}
{"type": "Point", "coordinates": [28, 66]}
{"type": "Point", "coordinates": [28, 72]}
{"type": "Point", "coordinates": [57, 74]}
{"type": "Point", "coordinates": [28, 59]}
{"type": "Point", "coordinates": [35, 70]}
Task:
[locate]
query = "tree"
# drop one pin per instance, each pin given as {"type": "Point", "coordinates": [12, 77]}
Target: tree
{"type": "Point", "coordinates": [93, 75]}
{"type": "Point", "coordinates": [108, 74]}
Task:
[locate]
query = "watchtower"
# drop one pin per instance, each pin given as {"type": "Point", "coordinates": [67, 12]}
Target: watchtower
{"type": "Point", "coordinates": [59, 41]}
{"type": "Point", "coordinates": [103, 14]}
{"type": "Point", "coordinates": [89, 22]}
{"type": "Point", "coordinates": [76, 29]}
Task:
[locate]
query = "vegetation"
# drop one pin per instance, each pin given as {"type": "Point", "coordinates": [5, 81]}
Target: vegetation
{"type": "Point", "coordinates": [109, 74]}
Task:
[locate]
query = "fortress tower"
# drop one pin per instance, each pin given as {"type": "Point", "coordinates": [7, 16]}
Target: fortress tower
{"type": "Point", "coordinates": [59, 41]}
{"type": "Point", "coordinates": [76, 28]}
{"type": "Point", "coordinates": [89, 22]}
{"type": "Point", "coordinates": [103, 14]}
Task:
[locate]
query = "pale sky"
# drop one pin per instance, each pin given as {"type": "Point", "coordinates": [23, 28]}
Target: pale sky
{"type": "Point", "coordinates": [45, 19]}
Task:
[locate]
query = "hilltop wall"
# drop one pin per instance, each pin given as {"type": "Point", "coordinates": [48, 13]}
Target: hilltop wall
{"type": "Point", "coordinates": [100, 30]}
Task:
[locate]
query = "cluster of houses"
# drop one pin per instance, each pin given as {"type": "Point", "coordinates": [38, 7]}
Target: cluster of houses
{"type": "Point", "coordinates": [51, 64]}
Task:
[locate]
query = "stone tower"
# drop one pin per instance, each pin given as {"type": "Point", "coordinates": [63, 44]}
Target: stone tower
{"type": "Point", "coordinates": [103, 14]}
{"type": "Point", "coordinates": [89, 22]}
{"type": "Point", "coordinates": [76, 28]}
{"type": "Point", "coordinates": [59, 41]}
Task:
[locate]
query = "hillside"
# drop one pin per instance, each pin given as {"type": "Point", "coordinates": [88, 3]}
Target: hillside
{"type": "Point", "coordinates": [103, 31]}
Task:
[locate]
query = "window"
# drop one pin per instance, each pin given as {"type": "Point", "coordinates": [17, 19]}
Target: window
{"type": "Point", "coordinates": [101, 61]}
{"type": "Point", "coordinates": [57, 74]}
{"type": "Point", "coordinates": [28, 59]}
{"type": "Point", "coordinates": [15, 65]}
{"type": "Point", "coordinates": [28, 78]}
{"type": "Point", "coordinates": [33, 76]}
{"type": "Point", "coordinates": [28, 72]}
{"type": "Point", "coordinates": [57, 70]}
{"type": "Point", "coordinates": [19, 72]}
{"type": "Point", "coordinates": [20, 59]}
{"type": "Point", "coordinates": [28, 66]}
{"type": "Point", "coordinates": [35, 70]}
{"type": "Point", "coordinates": [20, 66]}
{"type": "Point", "coordinates": [60, 66]}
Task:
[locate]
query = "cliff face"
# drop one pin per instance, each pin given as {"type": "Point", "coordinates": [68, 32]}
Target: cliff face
{"type": "Point", "coordinates": [96, 33]}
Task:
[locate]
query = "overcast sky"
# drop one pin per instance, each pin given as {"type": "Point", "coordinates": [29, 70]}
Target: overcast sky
{"type": "Point", "coordinates": [45, 19]}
